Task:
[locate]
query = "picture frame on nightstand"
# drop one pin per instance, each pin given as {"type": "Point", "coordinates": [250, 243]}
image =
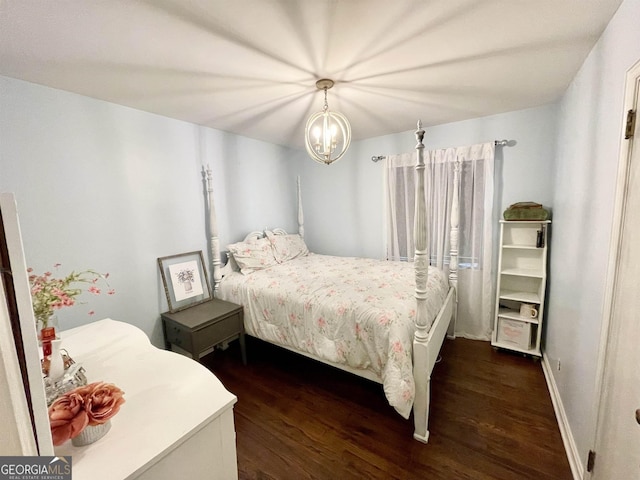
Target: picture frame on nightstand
{"type": "Point", "coordinates": [185, 280]}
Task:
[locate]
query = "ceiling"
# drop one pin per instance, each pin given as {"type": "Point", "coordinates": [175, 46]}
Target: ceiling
{"type": "Point", "coordinates": [249, 66]}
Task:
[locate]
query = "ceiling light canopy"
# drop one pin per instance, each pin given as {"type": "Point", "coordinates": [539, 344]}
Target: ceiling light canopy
{"type": "Point", "coordinates": [327, 134]}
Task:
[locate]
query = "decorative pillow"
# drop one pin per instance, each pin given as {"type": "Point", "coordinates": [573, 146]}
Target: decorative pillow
{"type": "Point", "coordinates": [253, 256]}
{"type": "Point", "coordinates": [287, 247]}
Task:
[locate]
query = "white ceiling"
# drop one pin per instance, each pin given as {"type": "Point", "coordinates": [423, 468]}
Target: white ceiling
{"type": "Point", "coordinates": [250, 66]}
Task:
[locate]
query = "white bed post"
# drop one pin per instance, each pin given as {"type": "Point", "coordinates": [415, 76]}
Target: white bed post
{"type": "Point", "coordinates": [300, 214]}
{"type": "Point", "coordinates": [421, 372]}
{"type": "Point", "coordinates": [213, 233]}
{"type": "Point", "coordinates": [454, 235]}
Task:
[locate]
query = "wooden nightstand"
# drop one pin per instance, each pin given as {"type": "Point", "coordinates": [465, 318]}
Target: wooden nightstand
{"type": "Point", "coordinates": [204, 326]}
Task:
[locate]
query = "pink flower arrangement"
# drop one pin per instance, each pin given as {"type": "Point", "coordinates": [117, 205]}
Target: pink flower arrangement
{"type": "Point", "coordinates": [49, 294]}
{"type": "Point", "coordinates": [92, 404]}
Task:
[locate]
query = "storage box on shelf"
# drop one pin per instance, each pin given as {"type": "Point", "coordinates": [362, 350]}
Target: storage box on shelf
{"type": "Point", "coordinates": [521, 286]}
{"type": "Point", "coordinates": [514, 332]}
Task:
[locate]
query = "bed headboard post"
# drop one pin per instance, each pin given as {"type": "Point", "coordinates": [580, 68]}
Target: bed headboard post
{"type": "Point", "coordinates": [213, 233]}
{"type": "Point", "coordinates": [300, 213]}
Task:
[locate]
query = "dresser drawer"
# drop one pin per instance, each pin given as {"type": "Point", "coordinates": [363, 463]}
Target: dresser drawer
{"type": "Point", "coordinates": [218, 332]}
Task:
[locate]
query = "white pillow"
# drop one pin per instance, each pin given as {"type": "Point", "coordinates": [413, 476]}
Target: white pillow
{"type": "Point", "coordinates": [287, 247]}
{"type": "Point", "coordinates": [253, 256]}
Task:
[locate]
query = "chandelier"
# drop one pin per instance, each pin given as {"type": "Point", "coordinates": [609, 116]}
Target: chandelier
{"type": "Point", "coordinates": [327, 134]}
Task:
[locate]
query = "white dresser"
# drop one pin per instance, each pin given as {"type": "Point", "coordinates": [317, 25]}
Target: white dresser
{"type": "Point", "coordinates": [177, 421]}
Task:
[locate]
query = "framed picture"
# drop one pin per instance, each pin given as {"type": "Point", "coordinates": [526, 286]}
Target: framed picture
{"type": "Point", "coordinates": [185, 280]}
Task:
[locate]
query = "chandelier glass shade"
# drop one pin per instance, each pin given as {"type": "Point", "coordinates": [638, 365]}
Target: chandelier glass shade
{"type": "Point", "coordinates": [327, 134]}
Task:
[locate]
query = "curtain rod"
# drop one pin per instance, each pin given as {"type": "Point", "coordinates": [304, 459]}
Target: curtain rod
{"type": "Point", "coordinates": [497, 143]}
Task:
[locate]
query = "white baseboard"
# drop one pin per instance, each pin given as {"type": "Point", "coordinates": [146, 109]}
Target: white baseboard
{"type": "Point", "coordinates": [565, 430]}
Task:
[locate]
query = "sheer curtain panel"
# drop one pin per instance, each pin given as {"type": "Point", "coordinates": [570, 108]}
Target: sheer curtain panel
{"type": "Point", "coordinates": [475, 281]}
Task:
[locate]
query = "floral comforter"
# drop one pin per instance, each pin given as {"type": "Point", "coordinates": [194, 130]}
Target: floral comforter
{"type": "Point", "coordinates": [354, 311]}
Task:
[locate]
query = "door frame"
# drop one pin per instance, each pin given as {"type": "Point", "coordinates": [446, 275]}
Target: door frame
{"type": "Point", "coordinates": [15, 412]}
{"type": "Point", "coordinates": [42, 434]}
{"type": "Point", "coordinates": [608, 327]}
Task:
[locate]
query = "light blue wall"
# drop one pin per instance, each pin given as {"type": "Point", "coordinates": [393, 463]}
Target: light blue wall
{"type": "Point", "coordinates": [110, 188]}
{"type": "Point", "coordinates": [343, 203]}
{"type": "Point", "coordinates": [589, 137]}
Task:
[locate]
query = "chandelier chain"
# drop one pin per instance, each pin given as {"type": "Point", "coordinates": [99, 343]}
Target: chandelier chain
{"type": "Point", "coordinates": [326, 104]}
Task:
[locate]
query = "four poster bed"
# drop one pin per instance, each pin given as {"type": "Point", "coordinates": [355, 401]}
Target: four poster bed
{"type": "Point", "coordinates": [381, 320]}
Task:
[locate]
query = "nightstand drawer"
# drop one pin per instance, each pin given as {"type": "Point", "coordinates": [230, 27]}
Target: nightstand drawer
{"type": "Point", "coordinates": [218, 332]}
{"type": "Point", "coordinates": [178, 336]}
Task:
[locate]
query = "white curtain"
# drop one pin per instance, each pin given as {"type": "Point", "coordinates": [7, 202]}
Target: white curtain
{"type": "Point", "coordinates": [475, 281]}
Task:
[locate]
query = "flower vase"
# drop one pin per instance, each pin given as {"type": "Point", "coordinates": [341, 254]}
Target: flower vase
{"type": "Point", "coordinates": [56, 363]}
{"type": "Point", "coordinates": [91, 434]}
{"type": "Point", "coordinates": [47, 330]}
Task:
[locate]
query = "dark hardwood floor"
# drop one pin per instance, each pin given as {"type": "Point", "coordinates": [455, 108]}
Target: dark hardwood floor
{"type": "Point", "coordinates": [491, 418]}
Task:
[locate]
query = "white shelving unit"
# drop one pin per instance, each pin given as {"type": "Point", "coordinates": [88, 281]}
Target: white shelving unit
{"type": "Point", "coordinates": [522, 280]}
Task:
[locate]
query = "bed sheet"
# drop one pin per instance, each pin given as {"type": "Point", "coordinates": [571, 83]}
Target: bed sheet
{"type": "Point", "coordinates": [354, 311]}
